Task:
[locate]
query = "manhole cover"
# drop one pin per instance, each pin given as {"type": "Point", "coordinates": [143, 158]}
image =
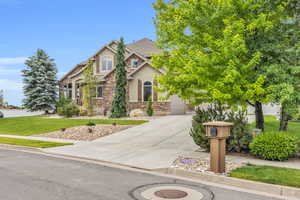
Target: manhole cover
{"type": "Point", "coordinates": [169, 191]}
{"type": "Point", "coordinates": [171, 194]}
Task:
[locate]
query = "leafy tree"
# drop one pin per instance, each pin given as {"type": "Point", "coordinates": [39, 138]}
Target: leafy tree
{"type": "Point", "coordinates": [89, 88]}
{"type": "Point", "coordinates": [277, 46]}
{"type": "Point", "coordinates": [220, 51]}
{"type": "Point", "coordinates": [119, 106]}
{"type": "Point", "coordinates": [40, 82]}
{"type": "Point", "coordinates": [206, 57]}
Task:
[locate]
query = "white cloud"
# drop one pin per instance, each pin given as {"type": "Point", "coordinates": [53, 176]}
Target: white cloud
{"type": "Point", "coordinates": [12, 61]}
{"type": "Point", "coordinates": [9, 70]}
{"type": "Point", "coordinates": [59, 74]}
{"type": "Point", "coordinates": [10, 85]}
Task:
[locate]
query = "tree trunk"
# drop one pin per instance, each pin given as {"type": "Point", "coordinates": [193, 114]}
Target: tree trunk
{"type": "Point", "coordinates": [284, 119]}
{"type": "Point", "coordinates": [259, 116]}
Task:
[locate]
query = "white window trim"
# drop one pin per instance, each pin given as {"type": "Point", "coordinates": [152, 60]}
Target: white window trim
{"type": "Point", "coordinates": [112, 62]}
{"type": "Point", "coordinates": [96, 88]}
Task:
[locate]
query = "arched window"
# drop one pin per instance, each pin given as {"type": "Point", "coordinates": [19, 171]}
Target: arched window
{"type": "Point", "coordinates": [147, 91]}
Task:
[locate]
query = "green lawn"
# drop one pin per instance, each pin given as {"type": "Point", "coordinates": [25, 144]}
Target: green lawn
{"type": "Point", "coordinates": [26, 126]}
{"type": "Point", "coordinates": [30, 143]}
{"type": "Point", "coordinates": [269, 174]}
{"type": "Point", "coordinates": [271, 124]}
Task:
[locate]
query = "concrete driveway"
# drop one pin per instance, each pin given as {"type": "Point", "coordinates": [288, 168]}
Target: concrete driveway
{"type": "Point", "coordinates": [152, 145]}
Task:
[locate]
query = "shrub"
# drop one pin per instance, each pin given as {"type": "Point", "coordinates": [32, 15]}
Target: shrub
{"type": "Point", "coordinates": [62, 101]}
{"type": "Point", "coordinates": [68, 110]}
{"type": "Point", "coordinates": [149, 108]}
{"type": "Point", "coordinates": [274, 146]}
{"type": "Point", "coordinates": [91, 124]}
{"type": "Point", "coordinates": [240, 133]}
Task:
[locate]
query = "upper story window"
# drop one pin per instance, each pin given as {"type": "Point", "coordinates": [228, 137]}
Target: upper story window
{"type": "Point", "coordinates": [106, 63]}
{"type": "Point", "coordinates": [99, 91]}
{"type": "Point", "coordinates": [134, 63]}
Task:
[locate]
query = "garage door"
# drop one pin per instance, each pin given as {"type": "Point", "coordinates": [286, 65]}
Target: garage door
{"type": "Point", "coordinates": [178, 106]}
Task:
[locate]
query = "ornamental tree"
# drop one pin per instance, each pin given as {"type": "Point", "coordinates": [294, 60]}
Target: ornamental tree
{"type": "Point", "coordinates": [1, 99]}
{"type": "Point", "coordinates": [89, 88]}
{"type": "Point", "coordinates": [205, 53]}
{"type": "Point", "coordinates": [40, 82]}
{"type": "Point", "coordinates": [119, 105]}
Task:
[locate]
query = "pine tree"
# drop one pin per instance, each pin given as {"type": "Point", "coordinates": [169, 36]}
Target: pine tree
{"type": "Point", "coordinates": [119, 102]}
{"type": "Point", "coordinates": [40, 83]}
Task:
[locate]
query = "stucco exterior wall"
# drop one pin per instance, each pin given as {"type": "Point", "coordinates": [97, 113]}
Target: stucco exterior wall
{"type": "Point", "coordinates": [147, 73]}
{"type": "Point", "coordinates": [104, 52]}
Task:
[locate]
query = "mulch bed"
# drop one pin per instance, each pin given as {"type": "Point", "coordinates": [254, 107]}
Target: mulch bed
{"type": "Point", "coordinates": [83, 133]}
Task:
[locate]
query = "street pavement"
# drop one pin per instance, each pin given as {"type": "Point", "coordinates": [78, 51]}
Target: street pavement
{"type": "Point", "coordinates": [28, 176]}
{"type": "Point", "coordinates": [18, 113]}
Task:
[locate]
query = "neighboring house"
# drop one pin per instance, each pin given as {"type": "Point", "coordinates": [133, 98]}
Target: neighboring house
{"type": "Point", "coordinates": [140, 74]}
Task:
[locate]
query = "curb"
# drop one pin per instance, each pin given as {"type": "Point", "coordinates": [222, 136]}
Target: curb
{"type": "Point", "coordinates": [264, 189]}
{"type": "Point", "coordinates": [278, 190]}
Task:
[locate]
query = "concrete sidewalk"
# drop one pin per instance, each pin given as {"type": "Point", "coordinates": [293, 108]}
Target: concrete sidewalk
{"type": "Point", "coordinates": [151, 145]}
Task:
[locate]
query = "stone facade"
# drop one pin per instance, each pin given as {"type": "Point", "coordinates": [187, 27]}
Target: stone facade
{"type": "Point", "coordinates": [139, 71]}
{"type": "Point", "coordinates": [159, 108]}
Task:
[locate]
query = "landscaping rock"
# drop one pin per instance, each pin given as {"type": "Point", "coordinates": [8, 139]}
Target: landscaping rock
{"type": "Point", "coordinates": [136, 113]}
{"type": "Point", "coordinates": [200, 165]}
{"type": "Point", "coordinates": [86, 133]}
{"type": "Point", "coordinates": [1, 115]}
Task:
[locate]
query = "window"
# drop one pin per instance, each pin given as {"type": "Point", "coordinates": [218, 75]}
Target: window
{"type": "Point", "coordinates": [99, 91]}
{"type": "Point", "coordinates": [106, 63]}
{"type": "Point", "coordinates": [134, 63]}
{"type": "Point", "coordinates": [69, 91]}
{"type": "Point", "coordinates": [147, 91]}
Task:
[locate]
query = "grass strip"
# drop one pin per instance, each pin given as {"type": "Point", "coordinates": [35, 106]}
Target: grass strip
{"type": "Point", "coordinates": [31, 143]}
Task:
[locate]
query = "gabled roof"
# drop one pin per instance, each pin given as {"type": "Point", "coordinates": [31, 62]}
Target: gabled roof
{"type": "Point", "coordinates": [141, 66]}
{"type": "Point", "coordinates": [145, 47]}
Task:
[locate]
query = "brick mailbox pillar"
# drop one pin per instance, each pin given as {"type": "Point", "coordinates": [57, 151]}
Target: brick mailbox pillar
{"type": "Point", "coordinates": [217, 132]}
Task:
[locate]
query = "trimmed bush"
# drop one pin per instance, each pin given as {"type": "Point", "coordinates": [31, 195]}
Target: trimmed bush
{"type": "Point", "coordinates": [240, 133]}
{"type": "Point", "coordinates": [149, 108]}
{"type": "Point", "coordinates": [68, 110]}
{"type": "Point", "coordinates": [274, 146]}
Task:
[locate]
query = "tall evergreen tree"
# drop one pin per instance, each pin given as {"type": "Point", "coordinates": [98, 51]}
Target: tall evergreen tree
{"type": "Point", "coordinates": [119, 102]}
{"type": "Point", "coordinates": [40, 82]}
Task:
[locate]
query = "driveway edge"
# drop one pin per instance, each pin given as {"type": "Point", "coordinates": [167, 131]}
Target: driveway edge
{"type": "Point", "coordinates": [278, 190]}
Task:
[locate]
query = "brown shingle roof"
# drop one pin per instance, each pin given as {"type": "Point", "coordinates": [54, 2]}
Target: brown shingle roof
{"type": "Point", "coordinates": [146, 47]}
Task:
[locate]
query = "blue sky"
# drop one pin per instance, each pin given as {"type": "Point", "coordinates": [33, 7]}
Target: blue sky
{"type": "Point", "coordinates": [68, 30]}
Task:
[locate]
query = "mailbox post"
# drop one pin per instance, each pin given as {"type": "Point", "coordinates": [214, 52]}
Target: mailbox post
{"type": "Point", "coordinates": [217, 133]}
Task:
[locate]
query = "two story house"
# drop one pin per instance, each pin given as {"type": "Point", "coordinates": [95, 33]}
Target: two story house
{"type": "Point", "coordinates": [140, 74]}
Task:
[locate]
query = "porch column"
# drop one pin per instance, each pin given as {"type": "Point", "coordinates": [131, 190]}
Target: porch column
{"type": "Point", "coordinates": [73, 90]}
